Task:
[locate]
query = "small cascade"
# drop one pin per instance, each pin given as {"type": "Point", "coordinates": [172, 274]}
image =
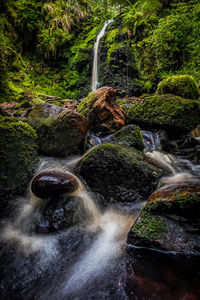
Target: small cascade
{"type": "Point", "coordinates": [108, 245]}
{"type": "Point", "coordinates": [181, 170]}
{"type": "Point", "coordinates": [151, 140]}
{"type": "Point", "coordinates": [95, 60]}
{"type": "Point", "coordinates": [22, 229]}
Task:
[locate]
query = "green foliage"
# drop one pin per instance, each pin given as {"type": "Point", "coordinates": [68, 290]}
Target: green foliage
{"type": "Point", "coordinates": [153, 39]}
{"type": "Point", "coordinates": [173, 44]}
{"type": "Point", "coordinates": [28, 14]}
{"type": "Point", "coordinates": [181, 85]}
{"type": "Point", "coordinates": [138, 17]}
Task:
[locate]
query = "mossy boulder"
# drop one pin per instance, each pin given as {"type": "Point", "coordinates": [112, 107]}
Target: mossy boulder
{"type": "Point", "coordinates": [103, 113]}
{"type": "Point", "coordinates": [180, 85]}
{"type": "Point", "coordinates": [43, 113]}
{"type": "Point", "coordinates": [120, 174]}
{"type": "Point", "coordinates": [173, 113]}
{"type": "Point", "coordinates": [61, 132]}
{"type": "Point", "coordinates": [18, 156]}
{"type": "Point", "coordinates": [129, 135]}
{"type": "Point", "coordinates": [170, 219]}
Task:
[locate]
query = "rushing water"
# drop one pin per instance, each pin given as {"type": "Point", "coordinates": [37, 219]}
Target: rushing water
{"type": "Point", "coordinates": [88, 261]}
{"type": "Point", "coordinates": [95, 60]}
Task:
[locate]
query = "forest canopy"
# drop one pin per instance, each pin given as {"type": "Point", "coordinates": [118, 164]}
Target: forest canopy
{"type": "Point", "coordinates": [46, 46]}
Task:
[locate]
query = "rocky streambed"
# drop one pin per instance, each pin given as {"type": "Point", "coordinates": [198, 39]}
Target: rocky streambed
{"type": "Point", "coordinates": [119, 166]}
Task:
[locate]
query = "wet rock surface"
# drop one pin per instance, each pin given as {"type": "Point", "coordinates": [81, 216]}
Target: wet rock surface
{"type": "Point", "coordinates": [52, 183]}
{"type": "Point", "coordinates": [170, 219]}
{"type": "Point", "coordinates": [61, 213]}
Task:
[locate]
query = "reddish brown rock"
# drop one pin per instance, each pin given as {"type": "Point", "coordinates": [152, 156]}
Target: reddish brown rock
{"type": "Point", "coordinates": [104, 114]}
{"type": "Point", "coordinates": [52, 184]}
{"type": "Point", "coordinates": [181, 195]}
{"type": "Point", "coordinates": [7, 108]}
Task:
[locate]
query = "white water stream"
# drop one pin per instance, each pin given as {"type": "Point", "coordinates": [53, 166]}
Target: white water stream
{"type": "Point", "coordinates": [95, 60]}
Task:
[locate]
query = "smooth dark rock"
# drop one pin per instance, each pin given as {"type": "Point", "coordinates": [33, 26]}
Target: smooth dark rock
{"type": "Point", "coordinates": [52, 184]}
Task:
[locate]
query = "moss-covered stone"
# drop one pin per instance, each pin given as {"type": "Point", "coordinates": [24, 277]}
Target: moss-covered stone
{"type": "Point", "coordinates": [180, 85]}
{"type": "Point", "coordinates": [61, 132]}
{"type": "Point", "coordinates": [18, 156]}
{"type": "Point", "coordinates": [177, 199]}
{"type": "Point", "coordinates": [43, 113]}
{"type": "Point", "coordinates": [119, 173]}
{"type": "Point", "coordinates": [130, 135]}
{"type": "Point", "coordinates": [170, 219]}
{"type": "Point", "coordinates": [173, 113]}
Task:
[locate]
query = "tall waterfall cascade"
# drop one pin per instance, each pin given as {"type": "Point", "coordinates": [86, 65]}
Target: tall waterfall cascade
{"type": "Point", "coordinates": [95, 61]}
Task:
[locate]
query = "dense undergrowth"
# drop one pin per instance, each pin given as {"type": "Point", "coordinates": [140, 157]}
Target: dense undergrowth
{"type": "Point", "coordinates": [46, 46]}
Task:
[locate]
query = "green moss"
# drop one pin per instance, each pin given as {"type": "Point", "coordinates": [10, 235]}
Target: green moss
{"type": "Point", "coordinates": [85, 105]}
{"type": "Point", "coordinates": [129, 154]}
{"type": "Point", "coordinates": [158, 205]}
{"type": "Point", "coordinates": [150, 227]}
{"type": "Point", "coordinates": [187, 201]}
{"type": "Point", "coordinates": [128, 136]}
{"type": "Point", "coordinates": [176, 202]}
{"type": "Point", "coordinates": [119, 173]}
{"type": "Point", "coordinates": [180, 85]}
{"type": "Point", "coordinates": [48, 121]}
{"type": "Point", "coordinates": [14, 127]}
{"type": "Point", "coordinates": [167, 111]}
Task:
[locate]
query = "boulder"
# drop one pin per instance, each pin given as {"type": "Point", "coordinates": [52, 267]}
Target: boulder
{"type": "Point", "coordinates": [129, 135]}
{"type": "Point", "coordinates": [119, 173]}
{"type": "Point", "coordinates": [61, 132]}
{"type": "Point", "coordinates": [53, 183]}
{"type": "Point", "coordinates": [61, 214]}
{"type": "Point", "coordinates": [103, 113]}
{"type": "Point", "coordinates": [43, 114]}
{"type": "Point", "coordinates": [174, 114]}
{"type": "Point", "coordinates": [18, 156]}
{"type": "Point", "coordinates": [180, 85]}
{"type": "Point", "coordinates": [170, 219]}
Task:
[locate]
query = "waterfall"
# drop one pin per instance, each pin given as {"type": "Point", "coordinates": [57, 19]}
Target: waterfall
{"type": "Point", "coordinates": [95, 61]}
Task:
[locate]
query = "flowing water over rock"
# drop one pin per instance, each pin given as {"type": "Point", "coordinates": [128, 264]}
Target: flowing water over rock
{"type": "Point", "coordinates": [95, 60]}
{"type": "Point", "coordinates": [88, 261]}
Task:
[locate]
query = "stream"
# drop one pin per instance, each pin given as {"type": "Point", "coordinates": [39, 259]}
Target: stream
{"type": "Point", "coordinates": [91, 260]}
